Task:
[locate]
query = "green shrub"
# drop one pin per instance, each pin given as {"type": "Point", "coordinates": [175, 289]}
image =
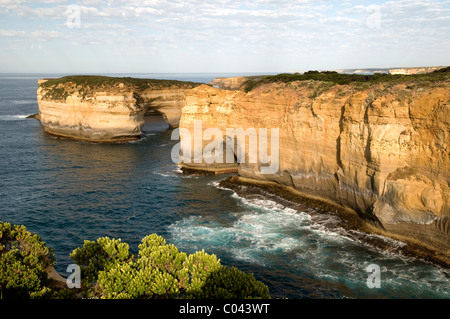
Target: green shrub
{"type": "Point", "coordinates": [110, 271]}
{"type": "Point", "coordinates": [24, 258]}
{"type": "Point", "coordinates": [443, 70]}
{"type": "Point", "coordinates": [160, 270]}
{"type": "Point", "coordinates": [345, 79]}
{"type": "Point", "coordinates": [100, 255]}
{"type": "Point", "coordinates": [200, 266]}
{"type": "Point", "coordinates": [231, 283]}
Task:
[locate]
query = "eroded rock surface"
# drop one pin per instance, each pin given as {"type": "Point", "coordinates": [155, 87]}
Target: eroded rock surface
{"type": "Point", "coordinates": [381, 149]}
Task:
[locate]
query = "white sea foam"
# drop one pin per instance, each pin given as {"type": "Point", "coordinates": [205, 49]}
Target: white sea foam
{"type": "Point", "coordinates": [252, 237]}
{"type": "Point", "coordinates": [264, 229]}
{"type": "Point", "coordinates": [20, 102]}
{"type": "Point", "coordinates": [216, 184]}
{"type": "Point", "coordinates": [164, 174]}
{"type": "Point", "coordinates": [393, 243]}
{"type": "Point", "coordinates": [176, 172]}
{"type": "Point", "coordinates": [267, 231]}
{"type": "Point", "coordinates": [13, 117]}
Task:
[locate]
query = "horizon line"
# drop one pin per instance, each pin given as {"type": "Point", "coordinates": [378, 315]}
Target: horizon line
{"type": "Point", "coordinates": [228, 72]}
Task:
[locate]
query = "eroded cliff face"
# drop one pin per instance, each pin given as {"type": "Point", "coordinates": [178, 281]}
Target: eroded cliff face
{"type": "Point", "coordinates": [112, 110]}
{"type": "Point", "coordinates": [409, 71]}
{"type": "Point", "coordinates": [381, 150]}
{"type": "Point", "coordinates": [232, 83]}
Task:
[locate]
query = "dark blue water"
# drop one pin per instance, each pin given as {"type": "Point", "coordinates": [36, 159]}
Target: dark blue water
{"type": "Point", "coordinates": [69, 191]}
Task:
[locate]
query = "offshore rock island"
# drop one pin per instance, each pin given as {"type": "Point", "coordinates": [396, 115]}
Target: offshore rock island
{"type": "Point", "coordinates": [106, 109]}
{"type": "Point", "coordinates": [376, 146]}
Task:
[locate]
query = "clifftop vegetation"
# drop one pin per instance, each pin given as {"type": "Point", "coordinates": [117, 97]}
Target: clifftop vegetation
{"type": "Point", "coordinates": [107, 81]}
{"type": "Point", "coordinates": [60, 88]}
{"type": "Point", "coordinates": [344, 79]}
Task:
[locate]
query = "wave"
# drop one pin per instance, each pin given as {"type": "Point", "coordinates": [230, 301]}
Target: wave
{"type": "Point", "coordinates": [178, 169]}
{"type": "Point", "coordinates": [251, 237]}
{"type": "Point", "coordinates": [216, 184]}
{"type": "Point", "coordinates": [13, 117]}
{"type": "Point", "coordinates": [263, 229]}
{"type": "Point", "coordinates": [176, 172]}
{"type": "Point", "coordinates": [23, 102]}
{"type": "Point", "coordinates": [293, 242]}
{"type": "Point", "coordinates": [324, 224]}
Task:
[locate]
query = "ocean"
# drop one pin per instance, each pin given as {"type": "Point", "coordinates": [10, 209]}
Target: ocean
{"type": "Point", "coordinates": [69, 191]}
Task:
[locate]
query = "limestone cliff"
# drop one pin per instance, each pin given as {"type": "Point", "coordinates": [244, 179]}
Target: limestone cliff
{"type": "Point", "coordinates": [380, 149]}
{"type": "Point", "coordinates": [102, 109]}
{"type": "Point", "coordinates": [409, 71]}
{"type": "Point", "coordinates": [232, 83]}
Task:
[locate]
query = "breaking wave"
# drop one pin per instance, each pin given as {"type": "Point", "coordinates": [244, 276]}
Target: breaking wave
{"type": "Point", "coordinates": [271, 235]}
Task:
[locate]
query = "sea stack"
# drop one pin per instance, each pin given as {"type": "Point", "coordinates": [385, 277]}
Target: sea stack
{"type": "Point", "coordinates": [106, 109]}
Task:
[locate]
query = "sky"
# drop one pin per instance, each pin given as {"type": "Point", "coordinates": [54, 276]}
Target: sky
{"type": "Point", "coordinates": [207, 36]}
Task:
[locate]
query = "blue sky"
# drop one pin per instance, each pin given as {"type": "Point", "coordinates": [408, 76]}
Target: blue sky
{"type": "Point", "coordinates": [153, 36]}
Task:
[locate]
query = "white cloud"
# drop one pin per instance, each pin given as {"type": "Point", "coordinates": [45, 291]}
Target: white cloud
{"type": "Point", "coordinates": [25, 11]}
{"type": "Point", "coordinates": [38, 34]}
{"type": "Point", "coordinates": [12, 33]}
{"type": "Point", "coordinates": [43, 34]}
{"type": "Point", "coordinates": [303, 29]}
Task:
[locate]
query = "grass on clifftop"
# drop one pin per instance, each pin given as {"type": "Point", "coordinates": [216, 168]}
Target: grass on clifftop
{"type": "Point", "coordinates": [60, 88]}
{"type": "Point", "coordinates": [95, 81]}
{"type": "Point", "coordinates": [344, 79]}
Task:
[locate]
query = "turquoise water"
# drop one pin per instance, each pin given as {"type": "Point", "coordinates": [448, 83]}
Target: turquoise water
{"type": "Point", "coordinates": [70, 191]}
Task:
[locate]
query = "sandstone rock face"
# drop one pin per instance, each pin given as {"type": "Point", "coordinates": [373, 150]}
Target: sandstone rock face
{"type": "Point", "coordinates": [381, 149]}
{"type": "Point", "coordinates": [111, 112]}
{"type": "Point", "coordinates": [409, 71]}
{"type": "Point", "coordinates": [232, 83]}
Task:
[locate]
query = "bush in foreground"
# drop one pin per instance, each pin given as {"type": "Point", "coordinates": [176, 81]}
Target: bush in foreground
{"type": "Point", "coordinates": [24, 258]}
{"type": "Point", "coordinates": [160, 270]}
{"type": "Point", "coordinates": [110, 271]}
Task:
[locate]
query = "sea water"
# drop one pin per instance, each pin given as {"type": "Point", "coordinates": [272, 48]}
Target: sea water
{"type": "Point", "coordinates": [69, 191]}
